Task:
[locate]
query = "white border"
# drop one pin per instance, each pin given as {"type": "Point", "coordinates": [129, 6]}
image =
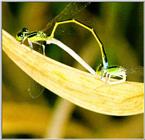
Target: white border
{"type": "Point", "coordinates": [144, 57]}
{"type": "Point", "coordinates": [1, 71]}
{"type": "Point", "coordinates": [56, 1]}
{"type": "Point", "coordinates": [73, 1]}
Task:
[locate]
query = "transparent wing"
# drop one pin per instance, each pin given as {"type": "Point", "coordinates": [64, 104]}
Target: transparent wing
{"type": "Point", "coordinates": [135, 73]}
{"type": "Point", "coordinates": [136, 69]}
{"type": "Point", "coordinates": [69, 12]}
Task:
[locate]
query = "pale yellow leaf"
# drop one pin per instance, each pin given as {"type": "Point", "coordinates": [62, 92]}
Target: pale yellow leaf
{"type": "Point", "coordinates": [78, 87]}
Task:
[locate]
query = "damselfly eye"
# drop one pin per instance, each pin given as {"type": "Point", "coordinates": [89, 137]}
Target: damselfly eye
{"type": "Point", "coordinates": [20, 34]}
{"type": "Point", "coordinates": [25, 30]}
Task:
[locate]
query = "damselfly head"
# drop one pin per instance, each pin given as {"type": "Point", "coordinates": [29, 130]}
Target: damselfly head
{"type": "Point", "coordinates": [25, 30]}
{"type": "Point", "coordinates": [22, 34]}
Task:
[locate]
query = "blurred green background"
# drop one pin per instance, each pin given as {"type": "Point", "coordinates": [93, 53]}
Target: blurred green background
{"type": "Point", "coordinates": [119, 26]}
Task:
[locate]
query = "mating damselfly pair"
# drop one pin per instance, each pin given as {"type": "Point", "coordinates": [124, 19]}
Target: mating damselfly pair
{"type": "Point", "coordinates": [106, 73]}
{"type": "Point", "coordinates": [110, 75]}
